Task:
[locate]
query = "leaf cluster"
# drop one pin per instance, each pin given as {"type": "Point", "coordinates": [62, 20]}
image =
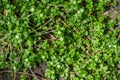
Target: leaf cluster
{"type": "Point", "coordinates": [77, 39]}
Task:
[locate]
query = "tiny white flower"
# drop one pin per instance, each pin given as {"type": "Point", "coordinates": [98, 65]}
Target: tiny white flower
{"type": "Point", "coordinates": [78, 12]}
{"type": "Point", "coordinates": [81, 10]}
{"type": "Point", "coordinates": [14, 68]}
{"type": "Point", "coordinates": [58, 66]}
{"type": "Point", "coordinates": [26, 60]}
{"type": "Point", "coordinates": [109, 46]}
{"type": "Point", "coordinates": [96, 59]}
{"type": "Point", "coordinates": [43, 57]}
{"type": "Point", "coordinates": [51, 63]}
{"type": "Point", "coordinates": [41, 15]}
{"type": "Point", "coordinates": [59, 32]}
{"type": "Point", "coordinates": [61, 39]}
{"type": "Point", "coordinates": [114, 46]}
{"type": "Point", "coordinates": [32, 9]}
{"type": "Point", "coordinates": [17, 36]}
{"type": "Point", "coordinates": [74, 2]}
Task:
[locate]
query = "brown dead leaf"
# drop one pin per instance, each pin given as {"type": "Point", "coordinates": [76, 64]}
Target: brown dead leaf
{"type": "Point", "coordinates": [52, 38]}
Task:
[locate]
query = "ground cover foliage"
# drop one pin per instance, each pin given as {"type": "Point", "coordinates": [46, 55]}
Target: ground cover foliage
{"type": "Point", "coordinates": [59, 40]}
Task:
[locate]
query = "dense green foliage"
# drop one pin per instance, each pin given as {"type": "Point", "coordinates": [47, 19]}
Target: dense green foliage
{"type": "Point", "coordinates": [75, 38]}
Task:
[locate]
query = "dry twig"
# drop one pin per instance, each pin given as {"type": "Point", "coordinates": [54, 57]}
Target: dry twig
{"type": "Point", "coordinates": [33, 74]}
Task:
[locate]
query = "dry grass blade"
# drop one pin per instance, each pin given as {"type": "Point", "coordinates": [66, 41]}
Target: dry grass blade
{"type": "Point", "coordinates": [44, 24]}
{"type": "Point", "coordinates": [45, 32]}
{"type": "Point", "coordinates": [15, 77]}
{"type": "Point", "coordinates": [2, 39]}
